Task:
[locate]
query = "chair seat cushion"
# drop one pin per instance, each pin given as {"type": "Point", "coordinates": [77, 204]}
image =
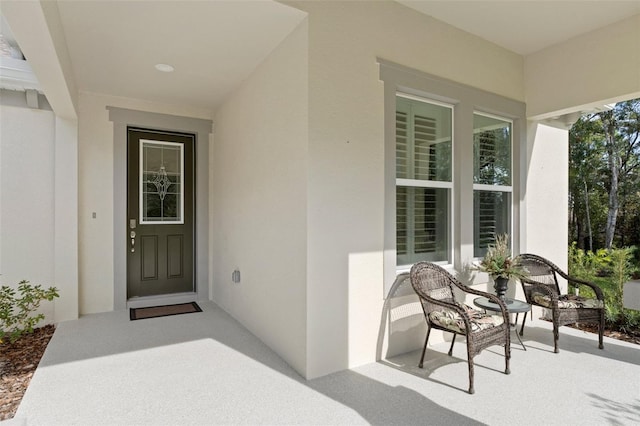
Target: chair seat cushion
{"type": "Point", "coordinates": [568, 301]}
{"type": "Point", "coordinates": [451, 320]}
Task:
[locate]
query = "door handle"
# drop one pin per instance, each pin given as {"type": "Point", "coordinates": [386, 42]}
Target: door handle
{"type": "Point", "coordinates": [132, 235]}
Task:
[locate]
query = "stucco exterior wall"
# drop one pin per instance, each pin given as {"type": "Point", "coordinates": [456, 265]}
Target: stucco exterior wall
{"type": "Point", "coordinates": [600, 67]}
{"type": "Point", "coordinates": [346, 157]}
{"type": "Point", "coordinates": [547, 192]}
{"type": "Point", "coordinates": [27, 194]}
{"type": "Point", "coordinates": [259, 185]}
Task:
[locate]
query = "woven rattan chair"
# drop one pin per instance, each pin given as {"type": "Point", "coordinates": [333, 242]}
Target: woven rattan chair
{"type": "Point", "coordinates": [435, 288]}
{"type": "Point", "coordinates": [541, 289]}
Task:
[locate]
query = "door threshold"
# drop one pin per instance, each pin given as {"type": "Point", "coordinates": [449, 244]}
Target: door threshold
{"type": "Point", "coordinates": [160, 300]}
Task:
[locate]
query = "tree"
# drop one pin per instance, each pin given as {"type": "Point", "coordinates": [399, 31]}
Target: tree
{"type": "Point", "coordinates": [622, 140]}
{"type": "Point", "coordinates": [586, 153]}
{"type": "Point", "coordinates": [629, 185]}
{"type": "Point", "coordinates": [604, 162]}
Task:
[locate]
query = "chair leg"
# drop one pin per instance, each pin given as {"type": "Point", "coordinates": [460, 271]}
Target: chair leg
{"type": "Point", "coordinates": [523, 321]}
{"type": "Point", "coordinates": [507, 357]}
{"type": "Point", "coordinates": [556, 335]}
{"type": "Point", "coordinates": [424, 349]}
{"type": "Point", "coordinates": [470, 362]}
{"type": "Point", "coordinates": [601, 330]}
{"type": "Point", "coordinates": [452, 342]}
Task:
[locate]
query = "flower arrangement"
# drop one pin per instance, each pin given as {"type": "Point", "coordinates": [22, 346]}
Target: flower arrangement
{"type": "Point", "coordinates": [498, 261]}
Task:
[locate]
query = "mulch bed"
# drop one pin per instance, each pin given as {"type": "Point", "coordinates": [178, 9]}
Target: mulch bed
{"type": "Point", "coordinates": [18, 362]}
{"type": "Point", "coordinates": [631, 336]}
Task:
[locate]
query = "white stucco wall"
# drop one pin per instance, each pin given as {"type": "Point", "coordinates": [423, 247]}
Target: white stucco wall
{"type": "Point", "coordinates": [545, 200]}
{"type": "Point", "coordinates": [27, 193]}
{"type": "Point", "coordinates": [547, 193]}
{"type": "Point", "coordinates": [346, 157]}
{"type": "Point", "coordinates": [600, 67]}
{"type": "Point", "coordinates": [66, 217]}
{"type": "Point", "coordinates": [95, 189]}
{"type": "Point", "coordinates": [96, 193]}
{"type": "Point", "coordinates": [260, 200]}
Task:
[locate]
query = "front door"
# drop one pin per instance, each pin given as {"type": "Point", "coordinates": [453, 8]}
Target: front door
{"type": "Point", "coordinates": [160, 206]}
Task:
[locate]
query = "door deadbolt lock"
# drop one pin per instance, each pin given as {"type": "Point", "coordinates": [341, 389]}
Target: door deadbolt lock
{"type": "Point", "coordinates": [132, 235]}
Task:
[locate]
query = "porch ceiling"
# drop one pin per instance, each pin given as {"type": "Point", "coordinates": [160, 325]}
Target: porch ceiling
{"type": "Point", "coordinates": [525, 26]}
{"type": "Point", "coordinates": [213, 46]}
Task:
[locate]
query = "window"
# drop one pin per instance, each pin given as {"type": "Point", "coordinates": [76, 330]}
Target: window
{"type": "Point", "coordinates": [161, 182]}
{"type": "Point", "coordinates": [423, 180]}
{"type": "Point", "coordinates": [445, 201]}
{"type": "Point", "coordinates": [492, 187]}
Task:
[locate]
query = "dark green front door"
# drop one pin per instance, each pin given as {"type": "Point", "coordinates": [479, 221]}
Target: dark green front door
{"type": "Point", "coordinates": [160, 205]}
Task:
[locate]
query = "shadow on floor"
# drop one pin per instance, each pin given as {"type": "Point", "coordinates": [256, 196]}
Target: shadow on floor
{"type": "Point", "coordinates": [617, 413]}
{"type": "Point", "coordinates": [381, 404]}
{"type": "Point", "coordinates": [110, 343]}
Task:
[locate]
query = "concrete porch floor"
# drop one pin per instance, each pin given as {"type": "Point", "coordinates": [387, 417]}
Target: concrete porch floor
{"type": "Point", "coordinates": [205, 368]}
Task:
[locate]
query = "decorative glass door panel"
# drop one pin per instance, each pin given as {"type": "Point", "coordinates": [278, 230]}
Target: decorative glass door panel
{"type": "Point", "coordinates": [161, 182]}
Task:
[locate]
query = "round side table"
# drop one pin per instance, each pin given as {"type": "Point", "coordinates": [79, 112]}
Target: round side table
{"type": "Point", "coordinates": [514, 306]}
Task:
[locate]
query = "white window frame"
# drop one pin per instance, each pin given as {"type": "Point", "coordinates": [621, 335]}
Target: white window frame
{"type": "Point", "coordinates": [466, 101]}
{"type": "Point", "coordinates": [141, 219]}
{"type": "Point", "coordinates": [498, 188]}
{"type": "Point", "coordinates": [434, 184]}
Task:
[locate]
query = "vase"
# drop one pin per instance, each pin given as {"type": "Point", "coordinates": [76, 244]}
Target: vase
{"type": "Point", "coordinates": [500, 286]}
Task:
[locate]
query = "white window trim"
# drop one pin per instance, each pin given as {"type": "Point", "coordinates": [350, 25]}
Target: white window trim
{"type": "Point", "coordinates": [492, 188]}
{"type": "Point", "coordinates": [141, 219]}
{"type": "Point", "coordinates": [466, 101]}
{"type": "Point", "coordinates": [400, 268]}
{"type": "Point", "coordinates": [424, 183]}
{"type": "Point", "coordinates": [498, 188]}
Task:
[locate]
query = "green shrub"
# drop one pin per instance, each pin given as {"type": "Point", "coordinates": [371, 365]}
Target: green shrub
{"type": "Point", "coordinates": [622, 269]}
{"type": "Point", "coordinates": [587, 266]}
{"type": "Point", "coordinates": [609, 269]}
{"type": "Point", "coordinates": [16, 312]}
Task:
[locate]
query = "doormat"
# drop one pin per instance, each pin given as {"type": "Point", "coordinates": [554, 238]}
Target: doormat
{"type": "Point", "coordinates": [163, 311]}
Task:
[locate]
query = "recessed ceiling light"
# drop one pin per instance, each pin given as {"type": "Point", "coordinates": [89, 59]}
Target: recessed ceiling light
{"type": "Point", "coordinates": [164, 67]}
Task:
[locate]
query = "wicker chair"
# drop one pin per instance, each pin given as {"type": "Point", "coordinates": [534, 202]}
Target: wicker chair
{"type": "Point", "coordinates": [541, 289]}
{"type": "Point", "coordinates": [435, 288]}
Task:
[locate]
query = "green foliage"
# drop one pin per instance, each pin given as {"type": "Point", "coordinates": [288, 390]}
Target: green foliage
{"type": "Point", "coordinates": [604, 177]}
{"type": "Point", "coordinates": [609, 269]}
{"type": "Point", "coordinates": [588, 196]}
{"type": "Point", "coordinates": [17, 312]}
{"type": "Point", "coordinates": [586, 265]}
{"type": "Point", "coordinates": [621, 270]}
{"type": "Point", "coordinates": [498, 261]}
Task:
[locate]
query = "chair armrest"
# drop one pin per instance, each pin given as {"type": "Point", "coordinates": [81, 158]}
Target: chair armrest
{"type": "Point", "coordinates": [453, 307]}
{"type": "Point", "coordinates": [499, 302]}
{"type": "Point", "coordinates": [492, 297]}
{"type": "Point", "coordinates": [441, 303]}
{"type": "Point", "coordinates": [597, 290]}
{"type": "Point", "coordinates": [535, 286]}
{"type": "Point", "coordinates": [594, 287]}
